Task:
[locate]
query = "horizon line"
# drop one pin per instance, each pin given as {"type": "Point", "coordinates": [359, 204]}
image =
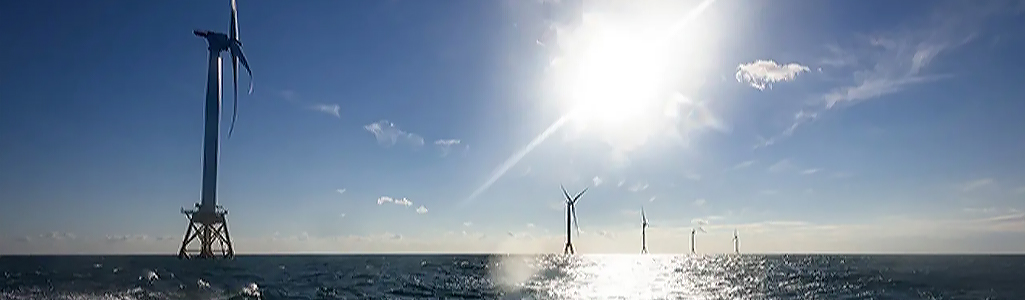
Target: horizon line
{"type": "Point", "coordinates": [400, 253]}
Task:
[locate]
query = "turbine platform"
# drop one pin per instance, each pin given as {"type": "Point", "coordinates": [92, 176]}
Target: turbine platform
{"type": "Point", "coordinates": [210, 229]}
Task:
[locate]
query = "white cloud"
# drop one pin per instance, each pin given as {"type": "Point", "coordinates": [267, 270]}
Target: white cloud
{"type": "Point", "coordinates": [385, 199]}
{"type": "Point", "coordinates": [341, 215]}
{"type": "Point", "coordinates": [340, 191]}
{"type": "Point", "coordinates": [652, 199]}
{"type": "Point", "coordinates": [467, 223]}
{"type": "Point", "coordinates": [530, 225]}
{"type": "Point", "coordinates": [763, 73]}
{"type": "Point", "coordinates": [331, 109]}
{"type": "Point", "coordinates": [699, 202]}
{"type": "Point", "coordinates": [446, 146]}
{"type": "Point", "coordinates": [388, 134]}
{"type": "Point", "coordinates": [596, 180]}
{"type": "Point", "coordinates": [977, 184]}
{"type": "Point", "coordinates": [421, 210]}
{"type": "Point", "coordinates": [404, 201]}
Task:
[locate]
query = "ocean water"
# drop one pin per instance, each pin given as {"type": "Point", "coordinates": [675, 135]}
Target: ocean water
{"type": "Point", "coordinates": [515, 277]}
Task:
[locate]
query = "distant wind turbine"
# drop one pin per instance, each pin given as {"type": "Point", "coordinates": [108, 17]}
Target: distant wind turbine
{"type": "Point", "coordinates": [736, 242]}
{"type": "Point", "coordinates": [693, 232]}
{"type": "Point", "coordinates": [571, 217]}
{"type": "Point", "coordinates": [644, 227]}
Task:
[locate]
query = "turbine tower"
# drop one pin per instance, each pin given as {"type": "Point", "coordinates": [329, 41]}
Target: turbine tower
{"type": "Point", "coordinates": [692, 231]}
{"type": "Point", "coordinates": [207, 222]}
{"type": "Point", "coordinates": [644, 227]}
{"type": "Point", "coordinates": [571, 219]}
{"type": "Point", "coordinates": [736, 242]}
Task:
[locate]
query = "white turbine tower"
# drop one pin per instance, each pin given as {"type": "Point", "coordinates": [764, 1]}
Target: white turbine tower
{"type": "Point", "coordinates": [736, 242]}
{"type": "Point", "coordinates": [207, 222]}
{"type": "Point", "coordinates": [693, 232]}
{"type": "Point", "coordinates": [571, 217]}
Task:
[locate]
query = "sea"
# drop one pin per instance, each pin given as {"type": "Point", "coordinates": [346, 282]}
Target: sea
{"type": "Point", "coordinates": [515, 277]}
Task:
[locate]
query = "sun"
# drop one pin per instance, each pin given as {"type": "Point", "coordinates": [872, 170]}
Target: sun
{"type": "Point", "coordinates": [617, 75]}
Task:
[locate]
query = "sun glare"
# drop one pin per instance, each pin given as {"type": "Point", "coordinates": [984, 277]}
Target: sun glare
{"type": "Point", "coordinates": [618, 74]}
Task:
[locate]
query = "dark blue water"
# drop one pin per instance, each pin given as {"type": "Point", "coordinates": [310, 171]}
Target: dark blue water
{"type": "Point", "coordinates": [514, 277]}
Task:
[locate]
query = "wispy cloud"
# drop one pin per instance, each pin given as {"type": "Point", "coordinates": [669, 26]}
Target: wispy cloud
{"type": "Point", "coordinates": [446, 146]}
{"type": "Point", "coordinates": [421, 210]}
{"type": "Point", "coordinates": [467, 223]}
{"type": "Point", "coordinates": [810, 171]}
{"type": "Point", "coordinates": [340, 191]}
{"type": "Point", "coordinates": [292, 96]}
{"type": "Point", "coordinates": [596, 180]}
{"type": "Point", "coordinates": [637, 187]}
{"type": "Point", "coordinates": [878, 64]}
{"type": "Point", "coordinates": [699, 202]}
{"type": "Point", "coordinates": [743, 165]}
{"type": "Point", "coordinates": [331, 109]}
{"type": "Point", "coordinates": [976, 184]}
{"type": "Point", "coordinates": [763, 73]}
{"type": "Point", "coordinates": [783, 165]}
{"type": "Point", "coordinates": [125, 238]}
{"type": "Point", "coordinates": [388, 134]}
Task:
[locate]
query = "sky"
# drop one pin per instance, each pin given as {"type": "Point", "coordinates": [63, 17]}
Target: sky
{"type": "Point", "coordinates": [448, 126]}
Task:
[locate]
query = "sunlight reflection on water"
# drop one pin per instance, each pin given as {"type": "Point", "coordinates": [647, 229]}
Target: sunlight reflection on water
{"type": "Point", "coordinates": [639, 277]}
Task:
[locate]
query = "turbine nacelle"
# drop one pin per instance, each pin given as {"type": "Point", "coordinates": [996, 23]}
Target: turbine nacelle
{"type": "Point", "coordinates": [571, 205]}
{"type": "Point", "coordinates": [230, 42]}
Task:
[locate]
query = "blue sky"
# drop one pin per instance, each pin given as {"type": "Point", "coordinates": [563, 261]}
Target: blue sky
{"type": "Point", "coordinates": [809, 126]}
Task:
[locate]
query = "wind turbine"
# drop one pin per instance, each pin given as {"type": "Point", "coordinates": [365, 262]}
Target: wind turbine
{"type": "Point", "coordinates": [644, 227]}
{"type": "Point", "coordinates": [207, 222]}
{"type": "Point", "coordinates": [571, 217]}
{"type": "Point", "coordinates": [736, 242]}
{"type": "Point", "coordinates": [693, 231]}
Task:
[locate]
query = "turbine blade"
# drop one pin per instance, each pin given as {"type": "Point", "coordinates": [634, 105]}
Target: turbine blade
{"type": "Point", "coordinates": [702, 229]}
{"type": "Point", "coordinates": [233, 33]}
{"type": "Point", "coordinates": [576, 223]}
{"type": "Point", "coordinates": [238, 56]}
{"type": "Point", "coordinates": [234, 86]}
{"type": "Point", "coordinates": [564, 192]}
{"type": "Point", "coordinates": [643, 218]}
{"type": "Point", "coordinates": [578, 196]}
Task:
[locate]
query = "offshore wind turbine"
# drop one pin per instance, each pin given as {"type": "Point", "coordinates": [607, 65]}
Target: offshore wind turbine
{"type": "Point", "coordinates": [693, 232]}
{"type": "Point", "coordinates": [207, 222]}
{"type": "Point", "coordinates": [736, 242]}
{"type": "Point", "coordinates": [692, 241]}
{"type": "Point", "coordinates": [644, 227]}
{"type": "Point", "coordinates": [571, 217]}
